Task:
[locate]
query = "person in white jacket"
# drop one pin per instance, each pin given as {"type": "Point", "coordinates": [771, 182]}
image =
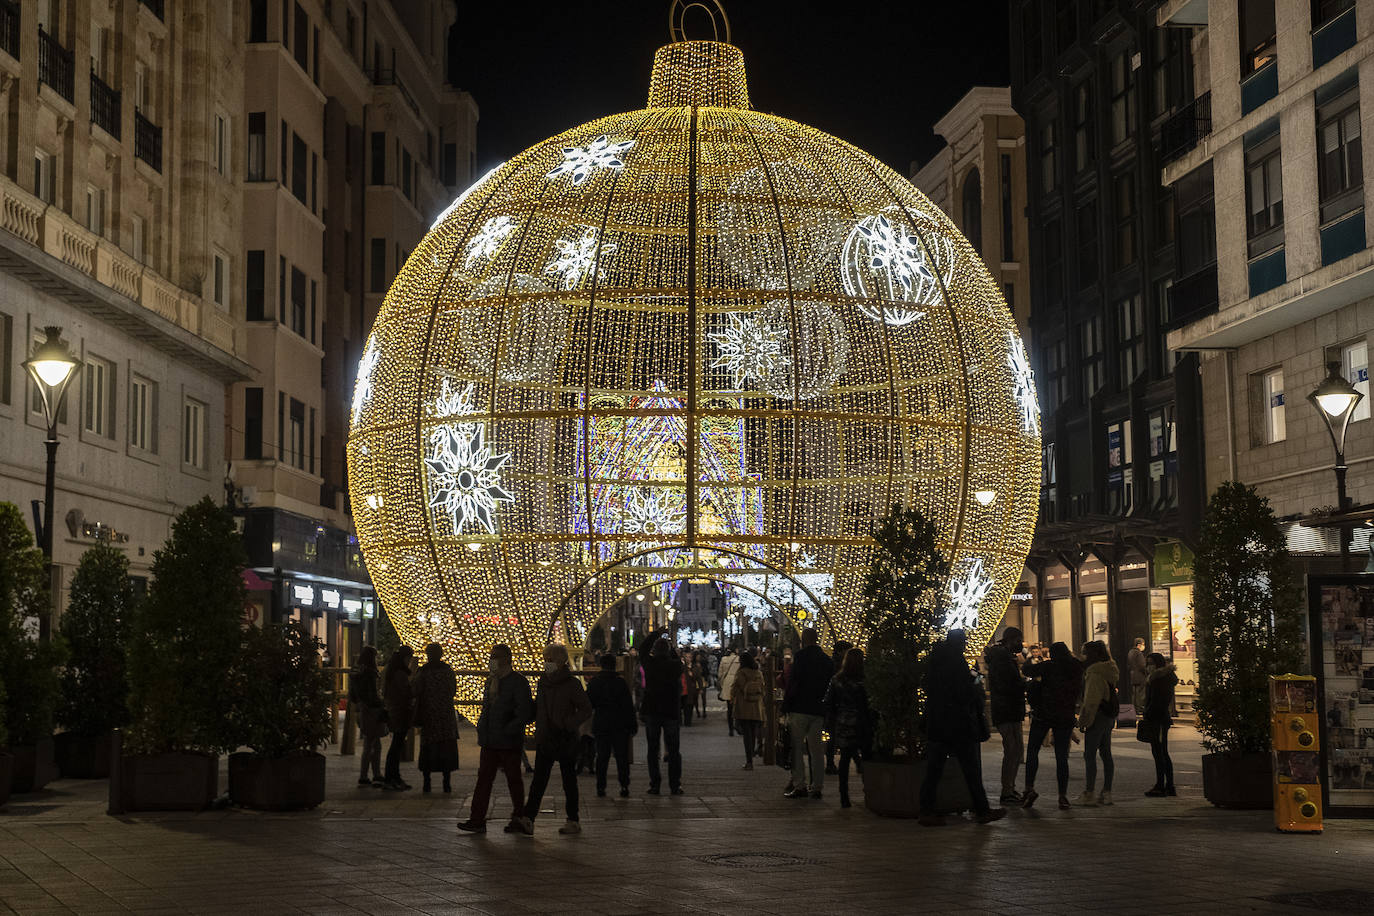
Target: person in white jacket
{"type": "Point", "coordinates": [726, 673]}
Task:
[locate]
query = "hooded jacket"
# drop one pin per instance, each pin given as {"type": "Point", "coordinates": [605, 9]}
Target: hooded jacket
{"type": "Point", "coordinates": [506, 710]}
{"type": "Point", "coordinates": [1057, 682]}
{"type": "Point", "coordinates": [1098, 682]}
{"type": "Point", "coordinates": [613, 709]}
{"type": "Point", "coordinates": [1006, 687]}
{"type": "Point", "coordinates": [747, 693]}
{"type": "Point", "coordinates": [729, 665]}
{"type": "Point", "coordinates": [954, 702]}
{"type": "Point", "coordinates": [806, 683]}
{"type": "Point", "coordinates": [1159, 695]}
{"type": "Point", "coordinates": [560, 708]}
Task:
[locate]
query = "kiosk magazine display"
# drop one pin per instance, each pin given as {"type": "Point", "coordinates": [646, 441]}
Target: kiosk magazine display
{"type": "Point", "coordinates": [1341, 608]}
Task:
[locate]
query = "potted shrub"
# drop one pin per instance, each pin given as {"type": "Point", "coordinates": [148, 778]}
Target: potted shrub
{"type": "Point", "coordinates": [1246, 619]}
{"type": "Point", "coordinates": [183, 644]}
{"type": "Point", "coordinates": [281, 710]}
{"type": "Point", "coordinates": [28, 665]}
{"type": "Point", "coordinates": [903, 615]}
{"type": "Point", "coordinates": [94, 688]}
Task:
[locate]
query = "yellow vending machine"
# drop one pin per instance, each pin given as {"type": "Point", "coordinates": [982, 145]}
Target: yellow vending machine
{"type": "Point", "coordinates": [1293, 729]}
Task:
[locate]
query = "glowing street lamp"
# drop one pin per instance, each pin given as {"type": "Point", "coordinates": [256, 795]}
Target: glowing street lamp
{"type": "Point", "coordinates": [1336, 399]}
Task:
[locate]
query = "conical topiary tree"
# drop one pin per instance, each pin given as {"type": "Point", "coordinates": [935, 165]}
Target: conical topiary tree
{"type": "Point", "coordinates": [95, 691]}
{"type": "Point", "coordinates": [1246, 618]}
{"type": "Point", "coordinates": [903, 617]}
{"type": "Point", "coordinates": [184, 640]}
{"type": "Point", "coordinates": [28, 666]}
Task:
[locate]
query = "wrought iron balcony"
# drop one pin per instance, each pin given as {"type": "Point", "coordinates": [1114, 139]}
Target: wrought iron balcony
{"type": "Point", "coordinates": [9, 28]}
{"type": "Point", "coordinates": [1185, 129]}
{"type": "Point", "coordinates": [104, 106]}
{"type": "Point", "coordinates": [147, 141]}
{"type": "Point", "coordinates": [55, 65]}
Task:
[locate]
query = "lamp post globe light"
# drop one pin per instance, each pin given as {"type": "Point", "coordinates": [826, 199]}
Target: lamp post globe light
{"type": "Point", "coordinates": [52, 368]}
{"type": "Point", "coordinates": [1336, 399]}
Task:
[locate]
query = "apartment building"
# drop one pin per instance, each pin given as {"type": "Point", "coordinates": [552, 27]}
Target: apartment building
{"type": "Point", "coordinates": [1272, 167]}
{"type": "Point", "coordinates": [354, 142]}
{"type": "Point", "coordinates": [120, 220]}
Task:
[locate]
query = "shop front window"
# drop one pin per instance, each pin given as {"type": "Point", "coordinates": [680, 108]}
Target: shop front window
{"type": "Point", "coordinates": [1120, 485]}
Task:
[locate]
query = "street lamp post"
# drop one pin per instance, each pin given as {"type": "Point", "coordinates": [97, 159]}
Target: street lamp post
{"type": "Point", "coordinates": [52, 368]}
{"type": "Point", "coordinates": [1335, 399]}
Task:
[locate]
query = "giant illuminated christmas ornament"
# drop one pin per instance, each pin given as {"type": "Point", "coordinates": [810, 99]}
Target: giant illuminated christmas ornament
{"type": "Point", "coordinates": [692, 341]}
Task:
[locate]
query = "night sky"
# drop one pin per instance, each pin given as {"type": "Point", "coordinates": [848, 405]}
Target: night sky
{"type": "Point", "coordinates": [877, 73]}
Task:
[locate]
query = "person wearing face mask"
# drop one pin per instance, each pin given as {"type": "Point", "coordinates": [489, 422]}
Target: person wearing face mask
{"type": "Point", "coordinates": [506, 709]}
{"type": "Point", "coordinates": [559, 711]}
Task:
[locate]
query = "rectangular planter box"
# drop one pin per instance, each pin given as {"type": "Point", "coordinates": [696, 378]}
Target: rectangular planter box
{"type": "Point", "coordinates": [894, 789]}
{"type": "Point", "coordinates": [83, 756]}
{"type": "Point", "coordinates": [1243, 781]}
{"type": "Point", "coordinates": [34, 766]}
{"type": "Point", "coordinates": [164, 782]}
{"type": "Point", "coordinates": [276, 783]}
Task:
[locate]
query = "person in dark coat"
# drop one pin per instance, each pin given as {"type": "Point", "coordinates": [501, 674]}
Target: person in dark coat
{"type": "Point", "coordinates": [803, 698]}
{"type": "Point", "coordinates": [560, 708]}
{"type": "Point", "coordinates": [955, 726]}
{"type": "Point", "coordinates": [400, 710]}
{"type": "Point", "coordinates": [371, 714]}
{"type": "Point", "coordinates": [1159, 716]}
{"type": "Point", "coordinates": [613, 724]}
{"type": "Point", "coordinates": [1137, 665]}
{"type": "Point", "coordinates": [1055, 686]}
{"type": "Point", "coordinates": [842, 648]}
{"type": "Point", "coordinates": [1007, 691]}
{"type": "Point", "coordinates": [506, 709]}
{"type": "Point", "coordinates": [847, 716]}
{"type": "Point", "coordinates": [435, 687]}
{"type": "Point", "coordinates": [662, 714]}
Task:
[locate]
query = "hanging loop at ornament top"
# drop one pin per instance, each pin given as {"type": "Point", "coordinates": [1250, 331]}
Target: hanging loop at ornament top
{"type": "Point", "coordinates": [677, 19]}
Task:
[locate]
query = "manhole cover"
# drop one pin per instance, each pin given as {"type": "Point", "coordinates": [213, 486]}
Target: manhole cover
{"type": "Point", "coordinates": [1345, 899]}
{"type": "Point", "coordinates": [756, 860]}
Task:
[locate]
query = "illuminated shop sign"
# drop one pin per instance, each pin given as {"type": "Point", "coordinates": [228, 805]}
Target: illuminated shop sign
{"type": "Point", "coordinates": [304, 595]}
{"type": "Point", "coordinates": [330, 596]}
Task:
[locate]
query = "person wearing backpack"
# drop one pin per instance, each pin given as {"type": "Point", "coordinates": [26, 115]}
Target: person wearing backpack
{"type": "Point", "coordinates": [1101, 704]}
{"type": "Point", "coordinates": [746, 696]}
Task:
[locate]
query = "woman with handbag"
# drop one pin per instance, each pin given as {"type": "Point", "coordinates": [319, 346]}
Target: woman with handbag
{"type": "Point", "coordinates": [746, 695]}
{"type": "Point", "coordinates": [1101, 706]}
{"type": "Point", "coordinates": [1161, 679]}
{"type": "Point", "coordinates": [367, 702]}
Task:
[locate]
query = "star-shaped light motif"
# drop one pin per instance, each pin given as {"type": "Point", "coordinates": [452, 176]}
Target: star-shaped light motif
{"type": "Point", "coordinates": [487, 240]}
{"type": "Point", "coordinates": [464, 472]}
{"type": "Point", "coordinates": [749, 349]}
{"type": "Point", "coordinates": [601, 153]}
{"type": "Point", "coordinates": [895, 252]}
{"type": "Point", "coordinates": [655, 512]}
{"type": "Point", "coordinates": [1023, 384]}
{"type": "Point", "coordinates": [362, 387]}
{"type": "Point", "coordinates": [576, 256]}
{"type": "Point", "coordinates": [966, 593]}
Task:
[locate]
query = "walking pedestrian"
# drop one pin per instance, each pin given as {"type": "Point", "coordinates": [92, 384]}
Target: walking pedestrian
{"type": "Point", "coordinates": [1097, 719]}
{"type": "Point", "coordinates": [691, 688]}
{"type": "Point", "coordinates": [847, 716]}
{"type": "Point", "coordinates": [1136, 665]}
{"type": "Point", "coordinates": [435, 687]}
{"type": "Point", "coordinates": [1007, 690]}
{"type": "Point", "coordinates": [662, 714]}
{"type": "Point", "coordinates": [1054, 687]}
{"type": "Point", "coordinates": [506, 709]}
{"type": "Point", "coordinates": [955, 726]}
{"type": "Point", "coordinates": [746, 696]}
{"type": "Point", "coordinates": [728, 666]}
{"type": "Point", "coordinates": [703, 672]}
{"type": "Point", "coordinates": [803, 702]}
{"type": "Point", "coordinates": [842, 647]}
{"type": "Point", "coordinates": [400, 710]}
{"type": "Point", "coordinates": [1159, 716]}
{"type": "Point", "coordinates": [560, 708]}
{"type": "Point", "coordinates": [613, 724]}
{"type": "Point", "coordinates": [371, 711]}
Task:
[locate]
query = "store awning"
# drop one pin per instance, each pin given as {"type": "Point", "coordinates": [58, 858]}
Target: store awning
{"type": "Point", "coordinates": [254, 582]}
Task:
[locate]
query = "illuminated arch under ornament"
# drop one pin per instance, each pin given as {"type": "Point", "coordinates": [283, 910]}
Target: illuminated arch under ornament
{"type": "Point", "coordinates": [593, 395]}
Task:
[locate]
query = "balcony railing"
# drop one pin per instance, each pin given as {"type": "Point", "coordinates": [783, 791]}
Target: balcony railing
{"type": "Point", "coordinates": [147, 141]}
{"type": "Point", "coordinates": [154, 6]}
{"type": "Point", "coordinates": [9, 28]}
{"type": "Point", "coordinates": [104, 106]}
{"type": "Point", "coordinates": [382, 77]}
{"type": "Point", "coordinates": [1193, 297]}
{"type": "Point", "coordinates": [55, 65]}
{"type": "Point", "coordinates": [1185, 129]}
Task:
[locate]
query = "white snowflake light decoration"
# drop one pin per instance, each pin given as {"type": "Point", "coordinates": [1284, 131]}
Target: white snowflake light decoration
{"type": "Point", "coordinates": [362, 387]}
{"type": "Point", "coordinates": [655, 512]}
{"type": "Point", "coordinates": [486, 241]}
{"type": "Point", "coordinates": [966, 593]}
{"type": "Point", "coordinates": [576, 256]}
{"type": "Point", "coordinates": [453, 402]}
{"type": "Point", "coordinates": [884, 260]}
{"type": "Point", "coordinates": [1023, 384]}
{"type": "Point", "coordinates": [464, 472]}
{"type": "Point", "coordinates": [601, 153]}
{"type": "Point", "coordinates": [749, 349]}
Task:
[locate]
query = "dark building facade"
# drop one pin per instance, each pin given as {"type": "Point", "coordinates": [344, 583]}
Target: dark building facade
{"type": "Point", "coordinates": [1100, 88]}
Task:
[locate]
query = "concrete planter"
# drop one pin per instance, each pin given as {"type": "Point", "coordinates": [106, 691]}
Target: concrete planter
{"type": "Point", "coordinates": [893, 789]}
{"type": "Point", "coordinates": [164, 782]}
{"type": "Point", "coordinates": [1243, 781]}
{"type": "Point", "coordinates": [290, 783]}
{"type": "Point", "coordinates": [34, 766]}
{"type": "Point", "coordinates": [83, 756]}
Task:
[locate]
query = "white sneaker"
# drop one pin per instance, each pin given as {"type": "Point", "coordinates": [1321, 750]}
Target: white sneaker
{"type": "Point", "coordinates": [570, 827]}
{"type": "Point", "coordinates": [1088, 799]}
{"type": "Point", "coordinates": [1105, 798]}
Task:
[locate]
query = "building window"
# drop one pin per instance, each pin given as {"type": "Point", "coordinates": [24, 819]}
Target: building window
{"type": "Point", "coordinates": [1091, 358]}
{"type": "Point", "coordinates": [281, 289]}
{"type": "Point", "coordinates": [95, 210]}
{"type": "Point", "coordinates": [257, 146]}
{"type": "Point", "coordinates": [1355, 361]}
{"type": "Point", "coordinates": [1164, 219]}
{"type": "Point", "coordinates": [255, 285]}
{"type": "Point", "coordinates": [973, 210]}
{"type": "Point", "coordinates": [1197, 222]}
{"type": "Point", "coordinates": [1055, 388]}
{"type": "Point", "coordinates": [378, 157]}
{"type": "Point", "coordinates": [352, 34]}
{"type": "Point", "coordinates": [98, 385]}
{"type": "Point", "coordinates": [44, 176]}
{"type": "Point", "coordinates": [299, 166]}
{"type": "Point", "coordinates": [1340, 171]}
{"type": "Point", "coordinates": [193, 434]}
{"type": "Point", "coordinates": [295, 437]}
{"type": "Point", "coordinates": [1008, 218]}
{"type": "Point", "coordinates": [1167, 358]}
{"type": "Point", "coordinates": [1123, 98]}
{"type": "Point", "coordinates": [257, 20]}
{"type": "Point", "coordinates": [221, 142]}
{"type": "Point", "coordinates": [1264, 195]}
{"type": "Point", "coordinates": [378, 273]}
{"type": "Point", "coordinates": [1054, 262]}
{"type": "Point", "coordinates": [1082, 127]}
{"type": "Point", "coordinates": [1065, 24]}
{"type": "Point", "coordinates": [1258, 35]}
{"type": "Point", "coordinates": [1120, 469]}
{"type": "Point", "coordinates": [143, 414]}
{"type": "Point", "coordinates": [1123, 192]}
{"type": "Point", "coordinates": [1323, 11]}
{"type": "Point", "coordinates": [405, 175]}
{"type": "Point", "coordinates": [314, 182]}
{"type": "Point", "coordinates": [1049, 478]}
{"type": "Point", "coordinates": [298, 301]}
{"type": "Point", "coordinates": [1032, 40]}
{"type": "Point", "coordinates": [252, 423]}
{"type": "Point", "coordinates": [6, 358]}
{"type": "Point", "coordinates": [219, 278]}
{"type": "Point", "coordinates": [1087, 244]}
{"type": "Point", "coordinates": [1047, 159]}
{"type": "Point", "coordinates": [1163, 458]}
{"type": "Point", "coordinates": [1130, 338]}
{"type": "Point", "coordinates": [300, 41]}
{"type": "Point", "coordinates": [449, 165]}
{"type": "Point", "coordinates": [1272, 426]}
